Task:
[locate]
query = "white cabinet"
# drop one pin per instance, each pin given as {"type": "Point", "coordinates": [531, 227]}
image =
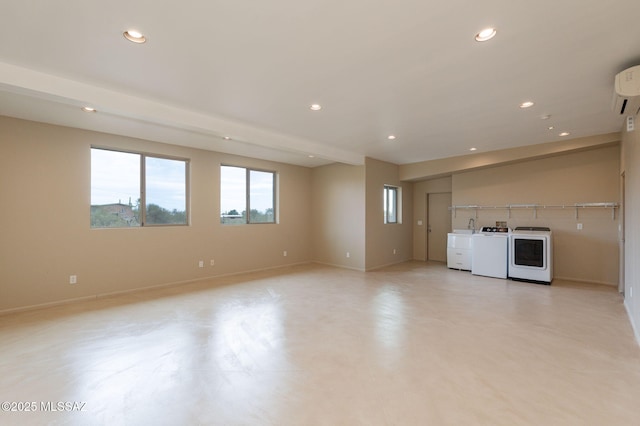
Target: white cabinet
{"type": "Point", "coordinates": [459, 251]}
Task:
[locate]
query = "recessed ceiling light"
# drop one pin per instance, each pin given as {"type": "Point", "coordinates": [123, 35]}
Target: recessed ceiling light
{"type": "Point", "coordinates": [545, 117]}
{"type": "Point", "coordinates": [312, 156]}
{"type": "Point", "coordinates": [473, 149]}
{"type": "Point", "coordinates": [315, 107]}
{"type": "Point", "coordinates": [564, 134]}
{"type": "Point", "coordinates": [391, 137]}
{"type": "Point", "coordinates": [526, 104]}
{"type": "Point", "coordinates": [226, 138]}
{"type": "Point", "coordinates": [88, 109]}
{"type": "Point", "coordinates": [134, 36]}
{"type": "Point", "coordinates": [550, 127]}
{"type": "Point", "coordinates": [486, 34]}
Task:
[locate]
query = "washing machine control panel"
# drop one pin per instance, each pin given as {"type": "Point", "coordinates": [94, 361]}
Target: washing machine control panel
{"type": "Point", "coordinates": [494, 229]}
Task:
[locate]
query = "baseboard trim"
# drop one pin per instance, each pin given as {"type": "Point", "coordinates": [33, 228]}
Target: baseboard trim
{"type": "Point", "coordinates": [352, 268]}
{"type": "Point", "coordinates": [636, 332]}
{"type": "Point", "coordinates": [373, 268]}
{"type": "Point", "coordinates": [580, 280]}
{"type": "Point", "coordinates": [139, 289]}
{"type": "Point", "coordinates": [335, 265]}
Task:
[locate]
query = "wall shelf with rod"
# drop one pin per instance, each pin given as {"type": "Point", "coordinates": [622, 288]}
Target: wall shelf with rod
{"type": "Point", "coordinates": [535, 207]}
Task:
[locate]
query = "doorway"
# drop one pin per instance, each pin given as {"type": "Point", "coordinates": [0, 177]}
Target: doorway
{"type": "Point", "coordinates": [438, 225]}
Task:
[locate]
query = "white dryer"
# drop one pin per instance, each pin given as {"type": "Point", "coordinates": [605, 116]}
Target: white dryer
{"type": "Point", "coordinates": [531, 255]}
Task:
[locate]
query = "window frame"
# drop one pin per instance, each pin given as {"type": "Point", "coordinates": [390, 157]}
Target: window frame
{"type": "Point", "coordinates": [143, 187]}
{"type": "Point", "coordinates": [247, 183]}
{"type": "Point", "coordinates": [385, 203]}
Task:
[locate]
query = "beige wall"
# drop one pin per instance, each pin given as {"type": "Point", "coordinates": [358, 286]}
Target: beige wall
{"type": "Point", "coordinates": [45, 188]}
{"type": "Point", "coordinates": [630, 167]}
{"type": "Point", "coordinates": [338, 215]}
{"type": "Point", "coordinates": [347, 216]}
{"type": "Point", "coordinates": [382, 239]}
{"type": "Point", "coordinates": [585, 176]}
{"type": "Point", "coordinates": [324, 213]}
{"type": "Point", "coordinates": [590, 254]}
{"type": "Point", "coordinates": [421, 190]}
{"type": "Point", "coordinates": [479, 160]}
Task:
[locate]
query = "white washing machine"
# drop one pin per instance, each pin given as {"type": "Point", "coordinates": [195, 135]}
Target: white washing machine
{"type": "Point", "coordinates": [531, 255]}
{"type": "Point", "coordinates": [491, 252]}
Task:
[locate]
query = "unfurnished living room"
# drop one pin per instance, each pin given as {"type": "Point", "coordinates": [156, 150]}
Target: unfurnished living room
{"type": "Point", "coordinates": [335, 213]}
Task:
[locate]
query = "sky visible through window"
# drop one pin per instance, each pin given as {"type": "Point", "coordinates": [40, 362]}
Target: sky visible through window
{"type": "Point", "coordinates": [166, 183]}
{"type": "Point", "coordinates": [233, 189]}
{"type": "Point", "coordinates": [115, 178]}
{"type": "Point", "coordinates": [261, 190]}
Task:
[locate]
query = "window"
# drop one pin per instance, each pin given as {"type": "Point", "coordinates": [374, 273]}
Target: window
{"type": "Point", "coordinates": [131, 189]}
{"type": "Point", "coordinates": [391, 204]}
{"type": "Point", "coordinates": [245, 190]}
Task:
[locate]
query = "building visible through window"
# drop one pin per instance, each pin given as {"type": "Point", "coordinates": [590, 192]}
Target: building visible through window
{"type": "Point", "coordinates": [131, 189]}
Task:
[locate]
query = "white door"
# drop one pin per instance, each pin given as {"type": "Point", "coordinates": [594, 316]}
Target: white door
{"type": "Point", "coordinates": [438, 225]}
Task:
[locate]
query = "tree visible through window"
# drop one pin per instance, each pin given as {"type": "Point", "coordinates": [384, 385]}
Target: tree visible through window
{"type": "Point", "coordinates": [243, 190]}
{"type": "Point", "coordinates": [131, 189]}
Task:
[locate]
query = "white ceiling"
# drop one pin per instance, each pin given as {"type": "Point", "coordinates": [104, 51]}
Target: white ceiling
{"type": "Point", "coordinates": [250, 69]}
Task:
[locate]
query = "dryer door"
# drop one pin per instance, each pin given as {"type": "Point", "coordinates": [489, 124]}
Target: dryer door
{"type": "Point", "coordinates": [528, 251]}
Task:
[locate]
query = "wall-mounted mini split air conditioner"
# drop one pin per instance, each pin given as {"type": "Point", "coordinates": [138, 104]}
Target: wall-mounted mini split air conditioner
{"type": "Point", "coordinates": [626, 93]}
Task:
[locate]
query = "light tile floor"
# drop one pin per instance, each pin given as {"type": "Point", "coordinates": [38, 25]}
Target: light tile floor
{"type": "Point", "coordinates": [412, 344]}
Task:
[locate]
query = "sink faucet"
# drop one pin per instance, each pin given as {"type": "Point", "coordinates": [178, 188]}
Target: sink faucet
{"type": "Point", "coordinates": [471, 224]}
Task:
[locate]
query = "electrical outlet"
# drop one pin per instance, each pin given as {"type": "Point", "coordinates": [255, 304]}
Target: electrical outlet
{"type": "Point", "coordinates": [212, 262]}
{"type": "Point", "coordinates": [395, 251]}
{"type": "Point", "coordinates": [348, 254]}
{"type": "Point", "coordinates": [580, 227]}
{"type": "Point", "coordinates": [630, 291]}
{"type": "Point", "coordinates": [73, 279]}
{"type": "Point", "coordinates": [201, 264]}
{"type": "Point", "coordinates": [284, 253]}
